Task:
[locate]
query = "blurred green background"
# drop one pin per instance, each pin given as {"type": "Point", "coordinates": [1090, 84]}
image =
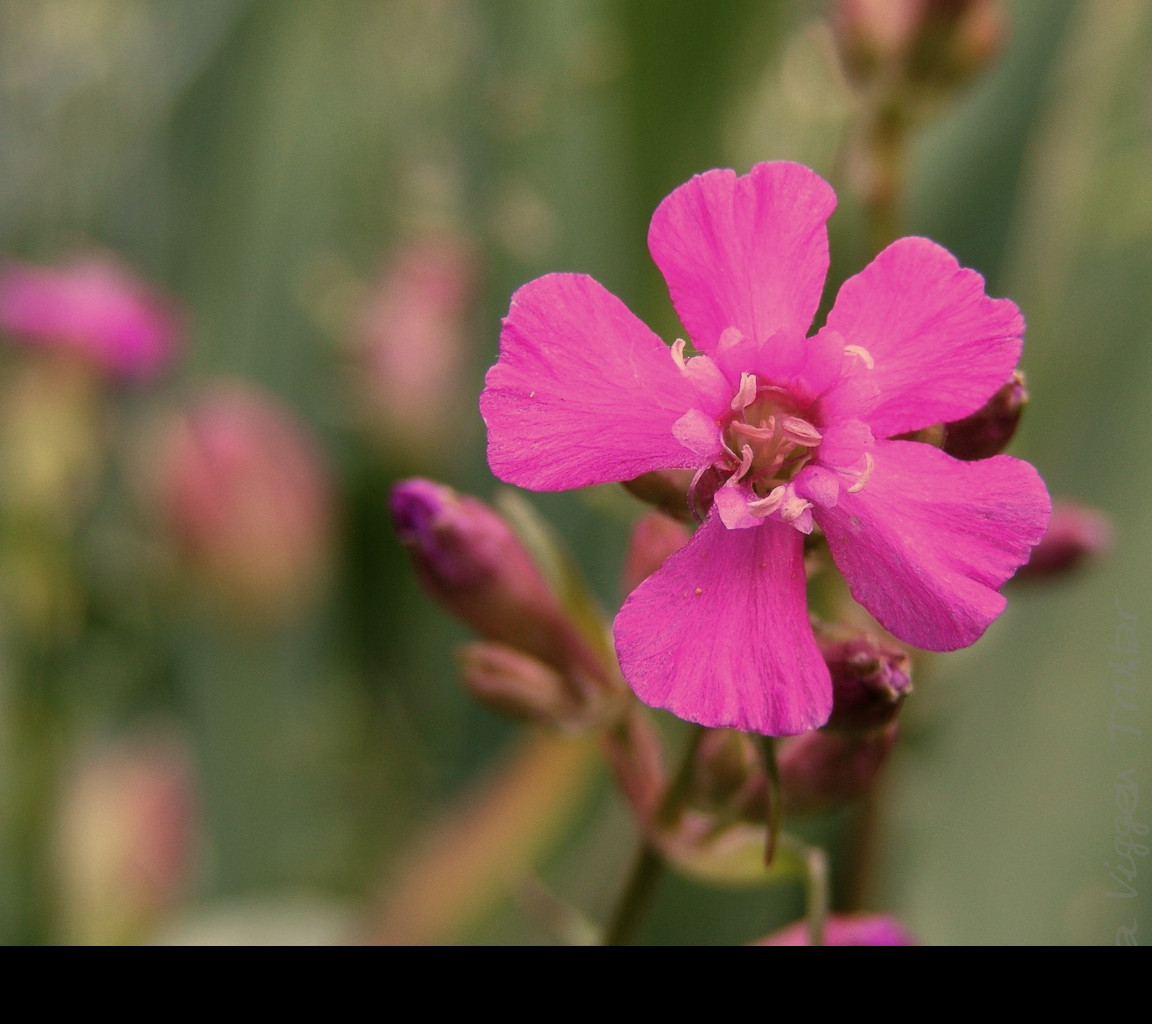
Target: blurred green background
{"type": "Point", "coordinates": [268, 163]}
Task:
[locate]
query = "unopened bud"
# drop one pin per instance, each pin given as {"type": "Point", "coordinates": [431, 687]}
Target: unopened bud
{"type": "Point", "coordinates": [845, 930]}
{"type": "Point", "coordinates": [988, 430]}
{"type": "Point", "coordinates": [412, 342]}
{"type": "Point", "coordinates": [1076, 533]}
{"type": "Point", "coordinates": [870, 680]}
{"type": "Point", "coordinates": [955, 41]}
{"type": "Point", "coordinates": [821, 769]}
{"type": "Point", "coordinates": [471, 561]}
{"type": "Point", "coordinates": [125, 840]}
{"type": "Point", "coordinates": [654, 538]}
{"type": "Point", "coordinates": [515, 684]}
{"type": "Point", "coordinates": [926, 44]}
{"type": "Point", "coordinates": [636, 755]}
{"type": "Point", "coordinates": [246, 494]}
{"type": "Point", "coordinates": [667, 489]}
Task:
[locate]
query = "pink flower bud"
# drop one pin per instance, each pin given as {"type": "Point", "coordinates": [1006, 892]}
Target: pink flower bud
{"type": "Point", "coordinates": [870, 680]}
{"type": "Point", "coordinates": [517, 685]}
{"type": "Point", "coordinates": [988, 430]}
{"type": "Point", "coordinates": [938, 44]}
{"type": "Point", "coordinates": [821, 769]}
{"type": "Point", "coordinates": [412, 336]}
{"type": "Point", "coordinates": [93, 308]}
{"type": "Point", "coordinates": [1076, 533]}
{"type": "Point", "coordinates": [125, 839]}
{"type": "Point", "coordinates": [634, 751]}
{"type": "Point", "coordinates": [471, 561]}
{"type": "Point", "coordinates": [247, 496]}
{"type": "Point", "coordinates": [654, 538]}
{"type": "Point", "coordinates": [845, 930]}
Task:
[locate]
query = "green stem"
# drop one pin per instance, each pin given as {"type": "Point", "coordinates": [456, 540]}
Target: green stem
{"type": "Point", "coordinates": [886, 153]}
{"type": "Point", "coordinates": [648, 864]}
{"type": "Point", "coordinates": [775, 800]}
{"type": "Point", "coordinates": [816, 886]}
{"type": "Point", "coordinates": [647, 867]}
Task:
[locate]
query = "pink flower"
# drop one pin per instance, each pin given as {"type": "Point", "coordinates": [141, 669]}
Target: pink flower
{"type": "Point", "coordinates": [845, 930]}
{"type": "Point", "coordinates": [94, 308]}
{"type": "Point", "coordinates": [247, 496]}
{"type": "Point", "coordinates": [784, 432]}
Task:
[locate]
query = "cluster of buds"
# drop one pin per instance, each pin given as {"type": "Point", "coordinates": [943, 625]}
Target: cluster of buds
{"type": "Point", "coordinates": [543, 658]}
{"type": "Point", "coordinates": [921, 45]}
{"type": "Point", "coordinates": [540, 661]}
{"type": "Point", "coordinates": [731, 782]}
{"type": "Point", "coordinates": [536, 660]}
{"type": "Point", "coordinates": [904, 58]}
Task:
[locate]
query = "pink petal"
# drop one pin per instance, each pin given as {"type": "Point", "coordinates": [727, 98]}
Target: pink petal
{"type": "Point", "coordinates": [929, 539]}
{"type": "Point", "coordinates": [700, 434]}
{"type": "Point", "coordinates": [720, 634]}
{"type": "Point", "coordinates": [939, 345]}
{"type": "Point", "coordinates": [845, 930]}
{"type": "Point", "coordinates": [583, 392]}
{"type": "Point", "coordinates": [748, 252]}
{"type": "Point", "coordinates": [732, 507]}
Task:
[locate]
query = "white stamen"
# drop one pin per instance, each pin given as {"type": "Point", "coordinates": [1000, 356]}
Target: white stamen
{"type": "Point", "coordinates": [801, 432]}
{"type": "Point", "coordinates": [745, 463]}
{"type": "Point", "coordinates": [861, 353]}
{"type": "Point", "coordinates": [678, 347]}
{"type": "Point", "coordinates": [793, 508]}
{"type": "Point", "coordinates": [747, 393]}
{"type": "Point", "coordinates": [768, 504]}
{"type": "Point", "coordinates": [765, 432]}
{"type": "Point", "coordinates": [862, 479]}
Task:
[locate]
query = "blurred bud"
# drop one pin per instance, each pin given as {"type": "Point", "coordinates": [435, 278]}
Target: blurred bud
{"type": "Point", "coordinates": [654, 538]}
{"type": "Point", "coordinates": [872, 34]}
{"type": "Point", "coordinates": [988, 430]}
{"type": "Point", "coordinates": [870, 680]}
{"type": "Point", "coordinates": [1075, 534]}
{"type": "Point", "coordinates": [821, 769]}
{"type": "Point", "coordinates": [845, 930]}
{"type": "Point", "coordinates": [515, 684]}
{"type": "Point", "coordinates": [471, 561]}
{"type": "Point", "coordinates": [633, 748]}
{"type": "Point", "coordinates": [246, 494]}
{"type": "Point", "coordinates": [926, 44]}
{"type": "Point", "coordinates": [92, 308]}
{"type": "Point", "coordinates": [728, 776]}
{"type": "Point", "coordinates": [412, 336]}
{"type": "Point", "coordinates": [667, 489]}
{"type": "Point", "coordinates": [124, 841]}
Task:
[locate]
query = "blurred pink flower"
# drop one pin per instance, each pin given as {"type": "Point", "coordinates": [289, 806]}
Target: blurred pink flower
{"type": "Point", "coordinates": [94, 308]}
{"type": "Point", "coordinates": [784, 432]}
{"type": "Point", "coordinates": [127, 832]}
{"type": "Point", "coordinates": [245, 491]}
{"type": "Point", "coordinates": [412, 334]}
{"type": "Point", "coordinates": [845, 930]}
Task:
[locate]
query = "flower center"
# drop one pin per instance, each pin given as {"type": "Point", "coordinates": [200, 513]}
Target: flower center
{"type": "Point", "coordinates": [767, 436]}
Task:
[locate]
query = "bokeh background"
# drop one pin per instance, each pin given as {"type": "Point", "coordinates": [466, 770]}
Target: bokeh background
{"type": "Point", "coordinates": [241, 728]}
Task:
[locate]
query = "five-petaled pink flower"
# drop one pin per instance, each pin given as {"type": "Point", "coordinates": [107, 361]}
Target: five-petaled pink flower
{"type": "Point", "coordinates": [784, 431]}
